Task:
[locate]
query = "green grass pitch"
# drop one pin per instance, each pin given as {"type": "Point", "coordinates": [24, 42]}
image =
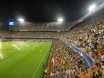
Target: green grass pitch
{"type": "Point", "coordinates": [23, 59]}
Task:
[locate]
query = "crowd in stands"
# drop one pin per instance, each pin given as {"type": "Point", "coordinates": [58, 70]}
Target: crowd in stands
{"type": "Point", "coordinates": [89, 37]}
{"type": "Point", "coordinates": [40, 26]}
{"type": "Point", "coordinates": [31, 39]}
{"type": "Point", "coordinates": [65, 62]}
{"type": "Point", "coordinates": [32, 34]}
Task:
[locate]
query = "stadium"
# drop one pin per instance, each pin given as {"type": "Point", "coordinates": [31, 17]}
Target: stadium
{"type": "Point", "coordinates": [63, 49]}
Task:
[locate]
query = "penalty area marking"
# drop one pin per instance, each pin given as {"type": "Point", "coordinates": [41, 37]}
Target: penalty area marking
{"type": "Point", "coordinates": [39, 64]}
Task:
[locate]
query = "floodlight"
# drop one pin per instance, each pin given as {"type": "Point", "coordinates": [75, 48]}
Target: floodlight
{"type": "Point", "coordinates": [21, 20]}
{"type": "Point", "coordinates": [92, 7]}
{"type": "Point", "coordinates": [60, 20]}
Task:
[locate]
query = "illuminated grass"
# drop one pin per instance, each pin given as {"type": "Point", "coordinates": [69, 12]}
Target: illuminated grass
{"type": "Point", "coordinates": [23, 61]}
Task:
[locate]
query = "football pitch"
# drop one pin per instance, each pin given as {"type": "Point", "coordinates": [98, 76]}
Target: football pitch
{"type": "Point", "coordinates": [23, 59]}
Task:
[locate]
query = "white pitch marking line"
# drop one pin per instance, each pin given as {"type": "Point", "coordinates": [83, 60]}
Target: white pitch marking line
{"type": "Point", "coordinates": [39, 64]}
{"type": "Point", "coordinates": [4, 61]}
{"type": "Point", "coordinates": [16, 47]}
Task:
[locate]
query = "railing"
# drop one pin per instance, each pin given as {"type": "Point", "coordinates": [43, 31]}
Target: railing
{"type": "Point", "coordinates": [86, 58]}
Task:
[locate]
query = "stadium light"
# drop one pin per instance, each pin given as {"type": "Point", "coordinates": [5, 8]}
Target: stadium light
{"type": "Point", "coordinates": [21, 20]}
{"type": "Point", "coordinates": [92, 7]}
{"type": "Point", "coordinates": [60, 20]}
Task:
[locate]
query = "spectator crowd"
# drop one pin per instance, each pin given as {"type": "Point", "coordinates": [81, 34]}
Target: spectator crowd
{"type": "Point", "coordinates": [89, 38]}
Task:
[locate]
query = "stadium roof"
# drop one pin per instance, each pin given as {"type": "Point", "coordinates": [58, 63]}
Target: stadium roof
{"type": "Point", "coordinates": [45, 10]}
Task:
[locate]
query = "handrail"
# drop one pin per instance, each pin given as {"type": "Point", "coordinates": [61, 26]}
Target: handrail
{"type": "Point", "coordinates": [86, 58]}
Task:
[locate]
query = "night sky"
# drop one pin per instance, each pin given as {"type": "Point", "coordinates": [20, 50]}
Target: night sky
{"type": "Point", "coordinates": [45, 10]}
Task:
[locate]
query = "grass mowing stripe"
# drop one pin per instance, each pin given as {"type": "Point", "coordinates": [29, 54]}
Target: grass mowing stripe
{"type": "Point", "coordinates": [40, 63]}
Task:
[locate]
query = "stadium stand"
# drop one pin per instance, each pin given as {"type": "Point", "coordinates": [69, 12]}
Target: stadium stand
{"type": "Point", "coordinates": [88, 36]}
{"type": "Point", "coordinates": [64, 60]}
{"type": "Point", "coordinates": [3, 26]}
{"type": "Point", "coordinates": [40, 26]}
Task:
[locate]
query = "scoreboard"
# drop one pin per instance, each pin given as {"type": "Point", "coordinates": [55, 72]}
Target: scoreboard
{"type": "Point", "coordinates": [11, 23]}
